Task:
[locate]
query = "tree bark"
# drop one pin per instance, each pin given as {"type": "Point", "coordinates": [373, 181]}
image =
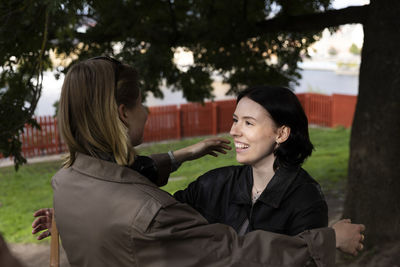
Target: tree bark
{"type": "Point", "coordinates": [373, 190]}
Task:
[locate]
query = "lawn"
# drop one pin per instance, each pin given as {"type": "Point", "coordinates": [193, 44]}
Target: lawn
{"type": "Point", "coordinates": [29, 189]}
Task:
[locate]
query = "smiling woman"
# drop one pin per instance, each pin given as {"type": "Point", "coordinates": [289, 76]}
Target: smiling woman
{"type": "Point", "coordinates": [270, 191]}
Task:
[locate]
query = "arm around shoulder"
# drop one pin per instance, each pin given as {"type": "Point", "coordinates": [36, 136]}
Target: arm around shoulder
{"type": "Point", "coordinates": [179, 236]}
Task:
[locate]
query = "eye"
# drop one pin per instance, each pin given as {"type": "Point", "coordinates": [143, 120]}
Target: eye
{"type": "Point", "coordinates": [234, 120]}
{"type": "Point", "coordinates": [248, 123]}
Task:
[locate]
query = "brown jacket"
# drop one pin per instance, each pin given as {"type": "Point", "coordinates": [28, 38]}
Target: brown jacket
{"type": "Point", "coordinates": [110, 215]}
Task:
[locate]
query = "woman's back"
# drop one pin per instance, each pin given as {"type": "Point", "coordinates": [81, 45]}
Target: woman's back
{"type": "Point", "coordinates": [96, 204]}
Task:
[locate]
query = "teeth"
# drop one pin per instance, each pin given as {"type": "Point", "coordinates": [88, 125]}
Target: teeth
{"type": "Point", "coordinates": [241, 146]}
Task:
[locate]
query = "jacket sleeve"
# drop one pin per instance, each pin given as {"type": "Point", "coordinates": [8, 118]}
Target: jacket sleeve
{"type": "Point", "coordinates": [201, 189]}
{"type": "Point", "coordinates": [311, 210]}
{"type": "Point", "coordinates": [189, 195]}
{"type": "Point", "coordinates": [179, 236]}
{"type": "Point", "coordinates": [156, 168]}
{"type": "Point", "coordinates": [163, 166]}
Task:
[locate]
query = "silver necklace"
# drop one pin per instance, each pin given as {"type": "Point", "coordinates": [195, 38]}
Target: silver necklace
{"type": "Point", "coordinates": [255, 193]}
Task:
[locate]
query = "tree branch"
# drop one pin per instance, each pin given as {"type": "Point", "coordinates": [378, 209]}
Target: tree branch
{"type": "Point", "coordinates": [315, 21]}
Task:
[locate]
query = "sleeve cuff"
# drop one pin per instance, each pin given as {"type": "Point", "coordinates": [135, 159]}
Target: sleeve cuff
{"type": "Point", "coordinates": [321, 245]}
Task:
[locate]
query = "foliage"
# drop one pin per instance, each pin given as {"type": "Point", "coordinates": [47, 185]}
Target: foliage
{"type": "Point", "coordinates": [354, 49]}
{"type": "Point", "coordinates": [56, 105]}
{"type": "Point", "coordinates": [144, 34]}
{"type": "Point", "coordinates": [332, 51]}
{"type": "Point", "coordinates": [28, 30]}
{"type": "Point", "coordinates": [29, 189]}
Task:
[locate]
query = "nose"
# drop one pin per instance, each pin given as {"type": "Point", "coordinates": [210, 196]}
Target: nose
{"type": "Point", "coordinates": [235, 130]}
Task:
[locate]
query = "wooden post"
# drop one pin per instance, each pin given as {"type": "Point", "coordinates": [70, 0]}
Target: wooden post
{"type": "Point", "coordinates": [56, 142]}
{"type": "Point", "coordinates": [54, 245]}
{"type": "Point", "coordinates": [178, 122]}
{"type": "Point", "coordinates": [214, 119]}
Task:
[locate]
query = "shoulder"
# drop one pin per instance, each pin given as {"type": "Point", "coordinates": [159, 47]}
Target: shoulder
{"type": "Point", "coordinates": [150, 201]}
{"type": "Point", "coordinates": [219, 177]}
{"type": "Point", "coordinates": [210, 186]}
{"type": "Point", "coordinates": [131, 186]}
{"type": "Point", "coordinates": [306, 189]}
{"type": "Point", "coordinates": [224, 173]}
{"type": "Point", "coordinates": [163, 198]}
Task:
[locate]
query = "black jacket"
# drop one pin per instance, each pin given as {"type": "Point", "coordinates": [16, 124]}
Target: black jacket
{"type": "Point", "coordinates": [291, 203]}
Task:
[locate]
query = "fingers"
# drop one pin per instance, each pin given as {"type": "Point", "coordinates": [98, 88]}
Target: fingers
{"type": "Point", "coordinates": [221, 140]}
{"type": "Point", "coordinates": [218, 141]}
{"type": "Point", "coordinates": [213, 154]}
{"type": "Point", "coordinates": [217, 146]}
{"type": "Point", "coordinates": [359, 248]}
{"type": "Point", "coordinates": [361, 238]}
{"type": "Point", "coordinates": [40, 220]}
{"type": "Point", "coordinates": [43, 235]}
{"type": "Point", "coordinates": [362, 227]}
{"type": "Point", "coordinates": [225, 146]}
{"type": "Point", "coordinates": [220, 150]}
{"type": "Point", "coordinates": [39, 228]}
{"type": "Point", "coordinates": [42, 212]}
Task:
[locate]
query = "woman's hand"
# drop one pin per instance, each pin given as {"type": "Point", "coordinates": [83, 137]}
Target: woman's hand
{"type": "Point", "coordinates": [210, 146]}
{"type": "Point", "coordinates": [42, 222]}
{"type": "Point", "coordinates": [348, 236]}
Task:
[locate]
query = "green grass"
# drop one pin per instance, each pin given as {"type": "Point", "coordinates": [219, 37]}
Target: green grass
{"type": "Point", "coordinates": [23, 192]}
{"type": "Point", "coordinates": [328, 163]}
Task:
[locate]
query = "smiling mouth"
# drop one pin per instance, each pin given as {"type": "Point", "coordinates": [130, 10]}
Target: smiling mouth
{"type": "Point", "coordinates": [241, 146]}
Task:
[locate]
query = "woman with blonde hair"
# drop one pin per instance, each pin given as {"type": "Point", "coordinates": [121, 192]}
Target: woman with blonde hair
{"type": "Point", "coordinates": [111, 215]}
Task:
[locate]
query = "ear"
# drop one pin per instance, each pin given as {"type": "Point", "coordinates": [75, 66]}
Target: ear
{"type": "Point", "coordinates": [122, 113]}
{"type": "Point", "coordinates": [283, 134]}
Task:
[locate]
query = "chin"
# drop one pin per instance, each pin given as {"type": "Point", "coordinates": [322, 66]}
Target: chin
{"type": "Point", "coordinates": [242, 161]}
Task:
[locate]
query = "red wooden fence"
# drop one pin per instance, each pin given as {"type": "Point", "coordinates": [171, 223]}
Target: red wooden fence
{"type": "Point", "coordinates": [187, 120]}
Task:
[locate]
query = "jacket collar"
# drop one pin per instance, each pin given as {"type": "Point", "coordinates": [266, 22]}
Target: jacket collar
{"type": "Point", "coordinates": [107, 170]}
{"type": "Point", "coordinates": [277, 188]}
{"type": "Point", "coordinates": [242, 186]}
{"type": "Point", "coordinates": [272, 195]}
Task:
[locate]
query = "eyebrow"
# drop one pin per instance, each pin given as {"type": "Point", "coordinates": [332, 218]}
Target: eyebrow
{"type": "Point", "coordinates": [245, 117]}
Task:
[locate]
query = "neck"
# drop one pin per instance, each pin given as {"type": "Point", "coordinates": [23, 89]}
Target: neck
{"type": "Point", "coordinates": [263, 172]}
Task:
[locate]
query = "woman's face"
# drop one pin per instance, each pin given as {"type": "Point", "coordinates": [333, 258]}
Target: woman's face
{"type": "Point", "coordinates": [136, 119]}
{"type": "Point", "coordinates": [254, 133]}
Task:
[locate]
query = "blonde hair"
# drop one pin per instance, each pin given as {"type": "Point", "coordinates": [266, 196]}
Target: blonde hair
{"type": "Point", "coordinates": [88, 113]}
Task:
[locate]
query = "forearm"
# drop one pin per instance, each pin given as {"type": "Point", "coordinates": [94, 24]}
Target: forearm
{"type": "Point", "coordinates": [183, 154]}
{"type": "Point", "coordinates": [221, 246]}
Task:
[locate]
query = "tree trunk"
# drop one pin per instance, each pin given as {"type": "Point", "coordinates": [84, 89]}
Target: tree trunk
{"type": "Point", "coordinates": [373, 190]}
